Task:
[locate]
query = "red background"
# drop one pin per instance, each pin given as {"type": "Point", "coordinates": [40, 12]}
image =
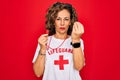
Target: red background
{"type": "Point", "coordinates": [23, 21]}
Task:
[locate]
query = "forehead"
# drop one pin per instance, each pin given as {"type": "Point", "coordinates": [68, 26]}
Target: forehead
{"type": "Point", "coordinates": [63, 13]}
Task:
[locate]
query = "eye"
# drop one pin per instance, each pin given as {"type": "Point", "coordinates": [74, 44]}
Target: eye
{"type": "Point", "coordinates": [66, 19]}
{"type": "Point", "coordinates": [58, 19]}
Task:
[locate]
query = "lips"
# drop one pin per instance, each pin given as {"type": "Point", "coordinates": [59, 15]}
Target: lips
{"type": "Point", "coordinates": [62, 28]}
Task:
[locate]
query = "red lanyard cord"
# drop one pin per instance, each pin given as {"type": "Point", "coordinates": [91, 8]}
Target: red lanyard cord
{"type": "Point", "coordinates": [48, 46]}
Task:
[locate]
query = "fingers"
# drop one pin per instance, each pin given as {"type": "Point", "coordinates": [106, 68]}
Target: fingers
{"type": "Point", "coordinates": [73, 30]}
{"type": "Point", "coordinates": [42, 40]}
{"type": "Point", "coordinates": [45, 35]}
{"type": "Point", "coordinates": [78, 27]}
{"type": "Point", "coordinates": [75, 27]}
{"type": "Point", "coordinates": [81, 28]}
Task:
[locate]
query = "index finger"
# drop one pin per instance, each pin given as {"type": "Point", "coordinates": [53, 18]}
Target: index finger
{"type": "Point", "coordinates": [45, 35]}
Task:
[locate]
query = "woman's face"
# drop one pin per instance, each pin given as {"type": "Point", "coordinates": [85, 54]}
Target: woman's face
{"type": "Point", "coordinates": [62, 21]}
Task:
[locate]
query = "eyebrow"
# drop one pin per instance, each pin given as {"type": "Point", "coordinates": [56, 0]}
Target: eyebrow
{"type": "Point", "coordinates": [64, 17]}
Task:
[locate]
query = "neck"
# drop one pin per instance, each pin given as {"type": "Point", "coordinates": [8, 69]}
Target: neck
{"type": "Point", "coordinates": [61, 36]}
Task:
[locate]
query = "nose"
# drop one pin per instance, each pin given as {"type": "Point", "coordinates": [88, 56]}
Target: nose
{"type": "Point", "coordinates": [62, 23]}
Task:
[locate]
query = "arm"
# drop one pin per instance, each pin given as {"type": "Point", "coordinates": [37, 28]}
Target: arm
{"type": "Point", "coordinates": [78, 56]}
{"type": "Point", "coordinates": [39, 64]}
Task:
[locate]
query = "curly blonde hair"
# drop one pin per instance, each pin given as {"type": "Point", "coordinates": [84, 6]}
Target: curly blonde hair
{"type": "Point", "coordinates": [52, 15]}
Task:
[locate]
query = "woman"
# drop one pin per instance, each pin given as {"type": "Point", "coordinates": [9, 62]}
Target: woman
{"type": "Point", "coordinates": [59, 55]}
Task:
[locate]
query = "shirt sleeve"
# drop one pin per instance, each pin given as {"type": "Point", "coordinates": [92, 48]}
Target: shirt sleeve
{"type": "Point", "coordinates": [36, 53]}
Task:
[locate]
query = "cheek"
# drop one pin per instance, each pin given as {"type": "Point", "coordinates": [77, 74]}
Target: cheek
{"type": "Point", "coordinates": [56, 23]}
{"type": "Point", "coordinates": [68, 24]}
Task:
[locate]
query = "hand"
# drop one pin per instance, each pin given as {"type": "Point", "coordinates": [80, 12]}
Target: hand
{"type": "Point", "coordinates": [42, 40]}
{"type": "Point", "coordinates": [77, 31]}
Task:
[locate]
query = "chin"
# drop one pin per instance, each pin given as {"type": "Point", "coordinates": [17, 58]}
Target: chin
{"type": "Point", "coordinates": [63, 32]}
